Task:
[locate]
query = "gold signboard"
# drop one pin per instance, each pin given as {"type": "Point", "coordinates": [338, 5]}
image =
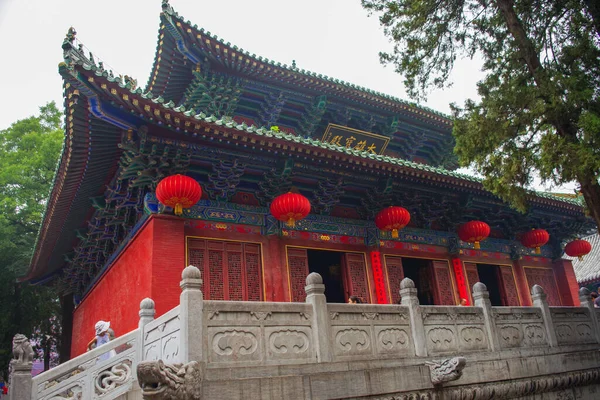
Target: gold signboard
{"type": "Point", "coordinates": [355, 139]}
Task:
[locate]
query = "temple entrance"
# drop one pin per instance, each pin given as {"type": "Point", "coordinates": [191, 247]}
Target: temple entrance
{"type": "Point", "coordinates": [329, 265]}
{"type": "Point", "coordinates": [421, 272]}
{"type": "Point", "coordinates": [489, 275]}
{"type": "Point", "coordinates": [344, 274]}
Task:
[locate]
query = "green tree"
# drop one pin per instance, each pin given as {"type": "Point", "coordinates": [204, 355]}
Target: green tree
{"type": "Point", "coordinates": [29, 150]}
{"type": "Point", "coordinates": [539, 111]}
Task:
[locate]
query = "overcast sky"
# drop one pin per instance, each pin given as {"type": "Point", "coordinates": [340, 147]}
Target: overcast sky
{"type": "Point", "coordinates": [331, 37]}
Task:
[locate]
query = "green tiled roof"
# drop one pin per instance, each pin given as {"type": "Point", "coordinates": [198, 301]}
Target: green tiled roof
{"type": "Point", "coordinates": [170, 15]}
{"type": "Point", "coordinates": [260, 131]}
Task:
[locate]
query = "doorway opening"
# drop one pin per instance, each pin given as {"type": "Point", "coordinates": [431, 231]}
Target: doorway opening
{"type": "Point", "coordinates": [489, 275]}
{"type": "Point", "coordinates": [328, 264]}
{"type": "Point", "coordinates": [420, 271]}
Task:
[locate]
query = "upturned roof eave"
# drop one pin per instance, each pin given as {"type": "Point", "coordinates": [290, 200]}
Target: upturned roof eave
{"type": "Point", "coordinates": [168, 109]}
{"type": "Point", "coordinates": [172, 23]}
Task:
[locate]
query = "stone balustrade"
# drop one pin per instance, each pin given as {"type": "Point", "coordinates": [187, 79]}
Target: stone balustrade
{"type": "Point", "coordinates": [223, 337]}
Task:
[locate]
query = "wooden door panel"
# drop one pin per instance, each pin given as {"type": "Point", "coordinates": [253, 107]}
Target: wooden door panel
{"type": "Point", "coordinates": [444, 288]}
{"type": "Point", "coordinates": [510, 296]}
{"type": "Point", "coordinates": [545, 278]}
{"type": "Point", "coordinates": [298, 267]}
{"type": "Point", "coordinates": [395, 274]}
{"type": "Point", "coordinates": [229, 270]}
{"type": "Point", "coordinates": [356, 276]}
{"type": "Point", "coordinates": [472, 277]}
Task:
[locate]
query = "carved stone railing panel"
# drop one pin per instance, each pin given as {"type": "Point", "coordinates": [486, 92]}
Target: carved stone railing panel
{"type": "Point", "coordinates": [520, 327]}
{"type": "Point", "coordinates": [451, 329]}
{"type": "Point", "coordinates": [85, 377]}
{"type": "Point", "coordinates": [244, 333]}
{"type": "Point", "coordinates": [572, 325]}
{"type": "Point", "coordinates": [161, 338]}
{"type": "Point", "coordinates": [370, 331]}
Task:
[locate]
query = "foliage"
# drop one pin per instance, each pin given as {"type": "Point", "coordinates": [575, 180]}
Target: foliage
{"type": "Point", "coordinates": [29, 149]}
{"type": "Point", "coordinates": [539, 111]}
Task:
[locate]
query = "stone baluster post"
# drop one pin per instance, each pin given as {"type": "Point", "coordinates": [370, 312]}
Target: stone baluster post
{"type": "Point", "coordinates": [585, 299]}
{"type": "Point", "coordinates": [146, 313]}
{"type": "Point", "coordinates": [21, 384]}
{"type": "Point", "coordinates": [191, 315]}
{"type": "Point", "coordinates": [408, 294]}
{"type": "Point", "coordinates": [538, 296]}
{"type": "Point", "coordinates": [321, 327]}
{"type": "Point", "coordinates": [481, 298]}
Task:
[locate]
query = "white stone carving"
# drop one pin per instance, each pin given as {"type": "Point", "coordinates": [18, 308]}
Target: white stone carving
{"type": "Point", "coordinates": [584, 331]}
{"type": "Point", "coordinates": [535, 335]}
{"type": "Point", "coordinates": [291, 342]}
{"type": "Point", "coordinates": [441, 339]}
{"type": "Point", "coordinates": [233, 343]}
{"type": "Point", "coordinates": [393, 340]}
{"type": "Point", "coordinates": [170, 348]}
{"type": "Point", "coordinates": [351, 341]}
{"type": "Point", "coordinates": [113, 377]}
{"type": "Point", "coordinates": [564, 333]}
{"type": "Point", "coordinates": [510, 336]}
{"type": "Point", "coordinates": [446, 370]}
{"type": "Point", "coordinates": [473, 338]}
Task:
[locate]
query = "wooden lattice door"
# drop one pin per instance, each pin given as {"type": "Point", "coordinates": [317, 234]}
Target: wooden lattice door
{"type": "Point", "coordinates": [545, 278]}
{"type": "Point", "coordinates": [229, 270]}
{"type": "Point", "coordinates": [395, 274]}
{"type": "Point", "coordinates": [298, 269]}
{"type": "Point", "coordinates": [355, 276]}
{"type": "Point", "coordinates": [444, 293]}
{"type": "Point", "coordinates": [508, 288]}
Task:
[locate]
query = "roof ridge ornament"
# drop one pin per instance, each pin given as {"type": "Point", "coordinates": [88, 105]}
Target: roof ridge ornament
{"type": "Point", "coordinates": [166, 7]}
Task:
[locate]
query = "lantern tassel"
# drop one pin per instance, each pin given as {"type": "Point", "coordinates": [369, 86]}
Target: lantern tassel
{"type": "Point", "coordinates": [580, 258]}
{"type": "Point", "coordinates": [291, 222]}
{"type": "Point", "coordinates": [538, 250]}
{"type": "Point", "coordinates": [477, 246]}
{"type": "Point", "coordinates": [395, 233]}
{"type": "Point", "coordinates": [178, 209]}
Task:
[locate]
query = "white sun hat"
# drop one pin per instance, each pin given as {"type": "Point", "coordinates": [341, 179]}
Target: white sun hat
{"type": "Point", "coordinates": [101, 326]}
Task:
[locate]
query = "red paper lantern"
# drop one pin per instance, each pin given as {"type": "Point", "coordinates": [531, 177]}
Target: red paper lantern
{"type": "Point", "coordinates": [474, 232]}
{"type": "Point", "coordinates": [290, 207]}
{"type": "Point", "coordinates": [578, 248]}
{"type": "Point", "coordinates": [178, 191]}
{"type": "Point", "coordinates": [535, 238]}
{"type": "Point", "coordinates": [392, 219]}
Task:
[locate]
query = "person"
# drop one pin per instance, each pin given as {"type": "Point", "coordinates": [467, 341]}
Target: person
{"type": "Point", "coordinates": [596, 299]}
{"type": "Point", "coordinates": [463, 302]}
{"type": "Point", "coordinates": [102, 337]}
{"type": "Point", "coordinates": [354, 300]}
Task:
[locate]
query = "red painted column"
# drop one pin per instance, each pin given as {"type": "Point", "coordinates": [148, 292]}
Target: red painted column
{"type": "Point", "coordinates": [461, 282]}
{"type": "Point", "coordinates": [275, 273]}
{"type": "Point", "coordinates": [380, 292]}
{"type": "Point", "coordinates": [567, 282]}
{"type": "Point", "coordinates": [522, 287]}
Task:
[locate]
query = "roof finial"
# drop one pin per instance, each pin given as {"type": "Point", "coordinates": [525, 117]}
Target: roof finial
{"type": "Point", "coordinates": [294, 64]}
{"type": "Point", "coordinates": [67, 45]}
{"type": "Point", "coordinates": [166, 7]}
{"type": "Point", "coordinates": [71, 33]}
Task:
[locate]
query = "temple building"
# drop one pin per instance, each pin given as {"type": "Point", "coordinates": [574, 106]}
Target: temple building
{"type": "Point", "coordinates": [587, 269]}
{"type": "Point", "coordinates": [249, 129]}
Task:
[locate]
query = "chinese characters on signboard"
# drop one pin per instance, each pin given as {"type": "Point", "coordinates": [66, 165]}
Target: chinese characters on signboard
{"type": "Point", "coordinates": [355, 139]}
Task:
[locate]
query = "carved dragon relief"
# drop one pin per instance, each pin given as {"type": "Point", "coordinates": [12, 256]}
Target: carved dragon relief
{"type": "Point", "coordinates": [446, 370]}
{"type": "Point", "coordinates": [160, 381]}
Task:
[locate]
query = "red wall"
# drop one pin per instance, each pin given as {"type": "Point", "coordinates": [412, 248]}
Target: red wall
{"type": "Point", "coordinates": [168, 261]}
{"type": "Point", "coordinates": [149, 267]}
